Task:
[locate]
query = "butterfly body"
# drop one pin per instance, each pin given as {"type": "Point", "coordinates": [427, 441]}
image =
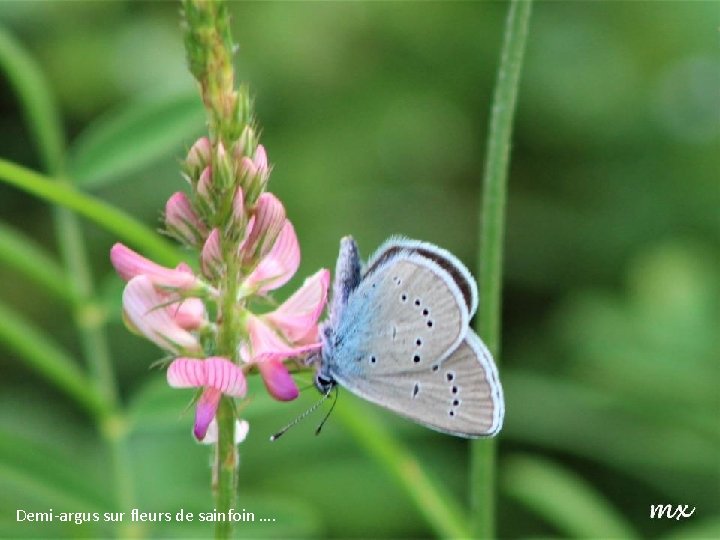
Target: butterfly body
{"type": "Point", "coordinates": [398, 336]}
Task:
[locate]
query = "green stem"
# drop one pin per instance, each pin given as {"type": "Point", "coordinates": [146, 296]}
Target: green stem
{"type": "Point", "coordinates": [437, 506]}
{"type": "Point", "coordinates": [48, 359]}
{"type": "Point", "coordinates": [226, 467]}
{"type": "Point", "coordinates": [103, 214]}
{"type": "Point", "coordinates": [492, 227]}
{"type": "Point", "coordinates": [226, 459]}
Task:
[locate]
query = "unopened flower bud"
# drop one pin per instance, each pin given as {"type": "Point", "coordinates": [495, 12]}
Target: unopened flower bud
{"type": "Point", "coordinates": [211, 256]}
{"type": "Point", "coordinates": [204, 190]}
{"type": "Point", "coordinates": [182, 222]}
{"type": "Point", "coordinates": [254, 173]}
{"type": "Point", "coordinates": [245, 144]}
{"type": "Point", "coordinates": [199, 155]}
{"type": "Point", "coordinates": [223, 173]}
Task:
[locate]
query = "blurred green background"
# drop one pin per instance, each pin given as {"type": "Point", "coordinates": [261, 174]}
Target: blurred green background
{"type": "Point", "coordinates": [375, 118]}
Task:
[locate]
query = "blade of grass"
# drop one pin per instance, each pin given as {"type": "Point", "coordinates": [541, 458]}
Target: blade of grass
{"type": "Point", "coordinates": [133, 137]}
{"type": "Point", "coordinates": [39, 108]}
{"type": "Point", "coordinates": [31, 260]}
{"type": "Point", "coordinates": [438, 507]}
{"type": "Point", "coordinates": [48, 474]}
{"type": "Point", "coordinates": [492, 227]}
{"type": "Point", "coordinates": [39, 352]}
{"type": "Point", "coordinates": [43, 118]}
{"type": "Point", "coordinates": [105, 215]}
{"type": "Point", "coordinates": [563, 498]}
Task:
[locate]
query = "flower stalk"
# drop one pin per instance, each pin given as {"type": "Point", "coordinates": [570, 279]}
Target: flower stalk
{"type": "Point", "coordinates": [247, 248]}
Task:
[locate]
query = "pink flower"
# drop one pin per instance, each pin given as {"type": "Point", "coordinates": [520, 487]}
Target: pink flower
{"type": "Point", "coordinates": [146, 311]}
{"type": "Point", "coordinates": [238, 210]}
{"type": "Point", "coordinates": [269, 217]}
{"type": "Point", "coordinates": [182, 221]}
{"type": "Point", "coordinates": [256, 167]}
{"type": "Point", "coordinates": [216, 375]}
{"type": "Point", "coordinates": [130, 264]}
{"type": "Point", "coordinates": [204, 186]}
{"type": "Point", "coordinates": [297, 317]}
{"type": "Point", "coordinates": [278, 265]}
{"type": "Point", "coordinates": [287, 332]}
{"type": "Point", "coordinates": [211, 256]}
{"type": "Point", "coordinates": [189, 314]}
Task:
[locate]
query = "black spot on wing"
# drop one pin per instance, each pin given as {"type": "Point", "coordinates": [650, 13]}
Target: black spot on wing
{"type": "Point", "coordinates": [442, 262]}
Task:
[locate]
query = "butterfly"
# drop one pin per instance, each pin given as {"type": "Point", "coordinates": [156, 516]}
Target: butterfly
{"type": "Point", "coordinates": [397, 335]}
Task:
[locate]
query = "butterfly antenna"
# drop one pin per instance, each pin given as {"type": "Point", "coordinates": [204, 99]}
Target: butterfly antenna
{"type": "Point", "coordinates": [317, 431]}
{"type": "Point", "coordinates": [303, 415]}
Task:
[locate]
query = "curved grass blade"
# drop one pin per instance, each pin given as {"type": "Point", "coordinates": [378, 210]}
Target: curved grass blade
{"type": "Point", "coordinates": [101, 213]}
{"type": "Point", "coordinates": [25, 255]}
{"type": "Point", "coordinates": [131, 138]}
{"type": "Point", "coordinates": [439, 508]}
{"type": "Point", "coordinates": [28, 83]}
{"type": "Point", "coordinates": [40, 353]}
{"type": "Point", "coordinates": [562, 498]}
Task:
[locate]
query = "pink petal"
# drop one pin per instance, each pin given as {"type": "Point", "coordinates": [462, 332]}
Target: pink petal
{"type": "Point", "coordinates": [130, 264]}
{"type": "Point", "coordinates": [145, 309]}
{"type": "Point", "coordinates": [211, 257]}
{"type": "Point", "coordinates": [181, 220]}
{"type": "Point", "coordinates": [238, 213]}
{"type": "Point", "coordinates": [214, 372]}
{"type": "Point", "coordinates": [269, 219]}
{"type": "Point", "coordinates": [297, 316]}
{"type": "Point", "coordinates": [189, 313]}
{"type": "Point", "coordinates": [278, 381]}
{"type": "Point", "coordinates": [204, 184]}
{"type": "Point", "coordinates": [267, 345]}
{"type": "Point", "coordinates": [184, 267]}
{"type": "Point", "coordinates": [279, 265]}
{"type": "Point", "coordinates": [205, 411]}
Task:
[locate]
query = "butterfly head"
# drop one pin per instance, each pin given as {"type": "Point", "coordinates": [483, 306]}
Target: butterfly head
{"type": "Point", "coordinates": [323, 381]}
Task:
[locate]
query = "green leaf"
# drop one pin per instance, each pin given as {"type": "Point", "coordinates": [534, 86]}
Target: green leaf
{"type": "Point", "coordinates": [101, 213]}
{"type": "Point", "coordinates": [40, 353]}
{"type": "Point", "coordinates": [47, 474]}
{"type": "Point", "coordinates": [562, 498]}
{"type": "Point", "coordinates": [31, 88]}
{"type": "Point", "coordinates": [129, 139]}
{"type": "Point", "coordinates": [439, 507]}
{"type": "Point", "coordinates": [24, 254]}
